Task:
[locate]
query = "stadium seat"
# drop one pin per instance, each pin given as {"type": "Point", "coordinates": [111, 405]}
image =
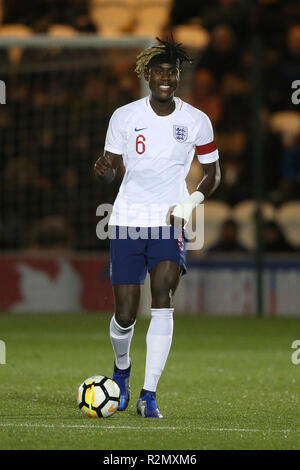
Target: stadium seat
{"type": "Point", "coordinates": [288, 217]}
{"type": "Point", "coordinates": [285, 122]}
{"type": "Point", "coordinates": [151, 17]}
{"type": "Point", "coordinates": [111, 18]}
{"type": "Point", "coordinates": [243, 213]}
{"type": "Point", "coordinates": [191, 36]}
{"type": "Point", "coordinates": [15, 30]}
{"type": "Point", "coordinates": [215, 212]}
{"type": "Point", "coordinates": [18, 30]}
{"type": "Point", "coordinates": [62, 30]}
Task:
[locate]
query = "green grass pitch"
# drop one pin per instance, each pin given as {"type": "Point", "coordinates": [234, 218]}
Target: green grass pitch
{"type": "Point", "coordinates": [229, 383]}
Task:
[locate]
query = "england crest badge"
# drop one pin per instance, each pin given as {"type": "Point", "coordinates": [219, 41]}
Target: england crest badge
{"type": "Point", "coordinates": [180, 133]}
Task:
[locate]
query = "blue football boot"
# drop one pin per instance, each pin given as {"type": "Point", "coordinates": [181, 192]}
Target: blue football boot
{"type": "Point", "coordinates": [121, 377]}
{"type": "Point", "coordinates": [146, 406]}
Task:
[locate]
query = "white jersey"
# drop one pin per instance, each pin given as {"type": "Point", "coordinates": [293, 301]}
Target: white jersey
{"type": "Point", "coordinates": [157, 153]}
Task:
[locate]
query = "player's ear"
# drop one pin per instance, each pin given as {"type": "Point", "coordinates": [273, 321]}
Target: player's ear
{"type": "Point", "coordinates": [146, 74]}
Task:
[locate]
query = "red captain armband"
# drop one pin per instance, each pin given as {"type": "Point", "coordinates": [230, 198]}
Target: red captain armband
{"type": "Point", "coordinates": [207, 148]}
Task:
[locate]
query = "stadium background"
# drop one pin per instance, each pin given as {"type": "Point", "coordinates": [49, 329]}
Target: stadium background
{"type": "Point", "coordinates": [231, 378]}
{"type": "Point", "coordinates": [66, 66]}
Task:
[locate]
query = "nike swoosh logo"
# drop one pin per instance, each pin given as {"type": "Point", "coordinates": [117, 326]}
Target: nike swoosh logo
{"type": "Point", "coordinates": [141, 129]}
{"type": "Point", "coordinates": [112, 408]}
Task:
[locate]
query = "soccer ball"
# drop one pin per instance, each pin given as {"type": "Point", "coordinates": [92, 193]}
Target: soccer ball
{"type": "Point", "coordinates": [98, 397]}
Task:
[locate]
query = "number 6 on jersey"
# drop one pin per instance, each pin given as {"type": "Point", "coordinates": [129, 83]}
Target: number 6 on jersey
{"type": "Point", "coordinates": [139, 144]}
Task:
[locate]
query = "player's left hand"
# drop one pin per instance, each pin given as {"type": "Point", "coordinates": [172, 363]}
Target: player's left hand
{"type": "Point", "coordinates": [174, 221]}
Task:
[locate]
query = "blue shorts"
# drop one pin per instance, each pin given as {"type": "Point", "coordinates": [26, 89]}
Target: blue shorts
{"type": "Point", "coordinates": [136, 250]}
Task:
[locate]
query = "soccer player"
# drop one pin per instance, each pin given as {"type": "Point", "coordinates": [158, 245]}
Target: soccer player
{"type": "Point", "coordinates": [156, 137]}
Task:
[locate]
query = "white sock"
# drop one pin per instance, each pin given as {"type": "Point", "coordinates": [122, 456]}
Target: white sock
{"type": "Point", "coordinates": [121, 339]}
{"type": "Point", "coordinates": [158, 340]}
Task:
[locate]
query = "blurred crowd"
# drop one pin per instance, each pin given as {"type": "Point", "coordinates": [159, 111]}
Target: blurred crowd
{"type": "Point", "coordinates": [54, 123]}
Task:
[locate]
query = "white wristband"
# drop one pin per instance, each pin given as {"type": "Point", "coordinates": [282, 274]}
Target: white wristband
{"type": "Point", "coordinates": [184, 209]}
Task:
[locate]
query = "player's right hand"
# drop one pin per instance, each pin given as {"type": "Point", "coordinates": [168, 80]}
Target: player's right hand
{"type": "Point", "coordinates": [174, 221]}
{"type": "Point", "coordinates": [102, 164]}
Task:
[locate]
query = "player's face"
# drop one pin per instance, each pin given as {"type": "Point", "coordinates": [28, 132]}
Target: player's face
{"type": "Point", "coordinates": [163, 81]}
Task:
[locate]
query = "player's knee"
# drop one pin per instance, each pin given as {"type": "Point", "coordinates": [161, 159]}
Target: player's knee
{"type": "Point", "coordinates": [125, 318]}
{"type": "Point", "coordinates": [162, 292]}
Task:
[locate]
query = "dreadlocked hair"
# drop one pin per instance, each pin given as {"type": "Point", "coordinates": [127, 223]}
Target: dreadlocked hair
{"type": "Point", "coordinates": [172, 49]}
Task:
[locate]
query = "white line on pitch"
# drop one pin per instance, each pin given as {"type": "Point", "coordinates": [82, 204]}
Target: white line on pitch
{"type": "Point", "coordinates": [156, 428]}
